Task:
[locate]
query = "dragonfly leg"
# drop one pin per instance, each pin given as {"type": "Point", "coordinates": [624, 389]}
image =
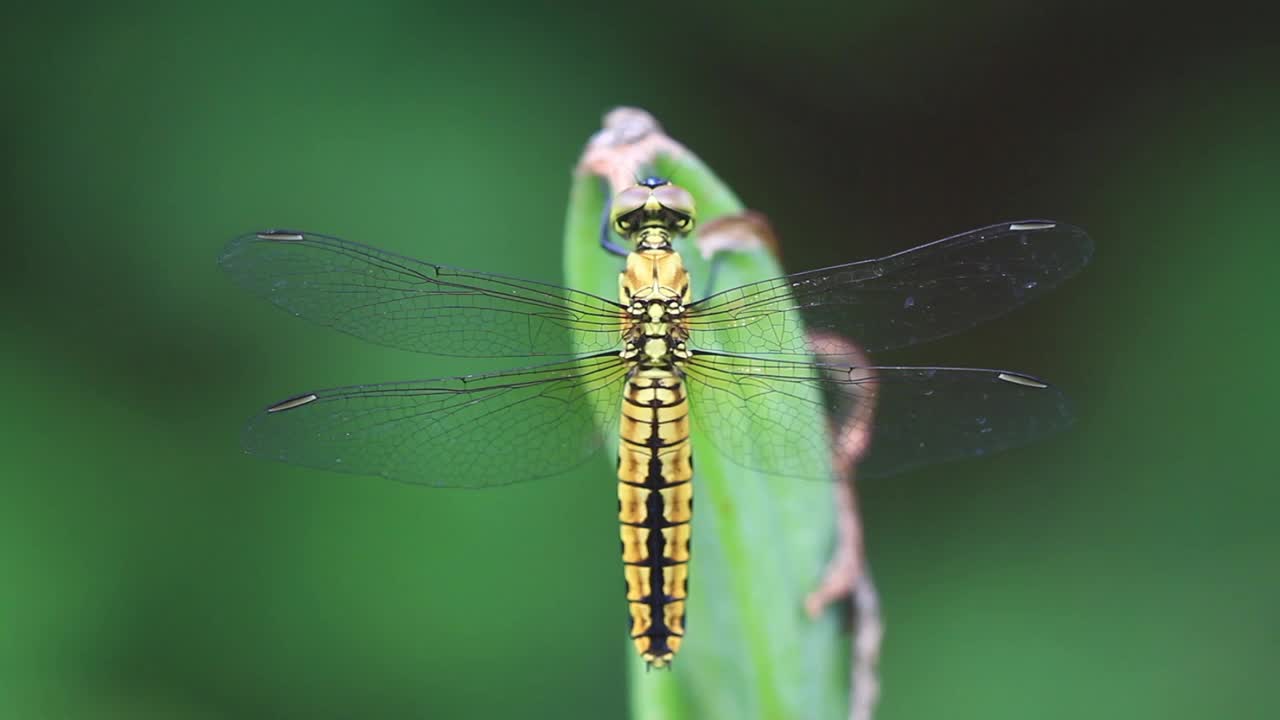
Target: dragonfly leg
{"type": "Point", "coordinates": [709, 287]}
{"type": "Point", "coordinates": [606, 236]}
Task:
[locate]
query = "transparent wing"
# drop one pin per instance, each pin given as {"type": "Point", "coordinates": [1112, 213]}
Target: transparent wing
{"type": "Point", "coordinates": [761, 413]}
{"type": "Point", "coordinates": [412, 305]}
{"type": "Point", "coordinates": [921, 294]}
{"type": "Point", "coordinates": [473, 431]}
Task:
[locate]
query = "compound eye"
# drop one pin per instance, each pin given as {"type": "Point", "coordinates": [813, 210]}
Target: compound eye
{"type": "Point", "coordinates": [625, 203]}
{"type": "Point", "coordinates": [676, 199]}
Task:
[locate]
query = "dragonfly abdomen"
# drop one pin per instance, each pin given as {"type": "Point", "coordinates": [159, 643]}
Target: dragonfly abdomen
{"type": "Point", "coordinates": [655, 505]}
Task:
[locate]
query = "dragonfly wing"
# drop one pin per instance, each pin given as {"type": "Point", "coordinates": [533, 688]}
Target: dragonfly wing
{"type": "Point", "coordinates": [473, 431]}
{"type": "Point", "coordinates": [760, 413]}
{"type": "Point", "coordinates": [921, 294]}
{"type": "Point", "coordinates": [413, 305]}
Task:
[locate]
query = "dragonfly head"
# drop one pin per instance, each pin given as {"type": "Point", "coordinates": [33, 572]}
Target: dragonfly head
{"type": "Point", "coordinates": [652, 204]}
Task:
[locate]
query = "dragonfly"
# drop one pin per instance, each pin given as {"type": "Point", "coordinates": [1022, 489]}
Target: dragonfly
{"type": "Point", "coordinates": [749, 365]}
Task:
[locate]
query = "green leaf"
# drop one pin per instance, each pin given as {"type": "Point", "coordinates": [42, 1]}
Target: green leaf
{"type": "Point", "coordinates": [760, 543]}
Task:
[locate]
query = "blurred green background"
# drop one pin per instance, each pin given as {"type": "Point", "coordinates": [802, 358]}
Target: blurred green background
{"type": "Point", "coordinates": [148, 569]}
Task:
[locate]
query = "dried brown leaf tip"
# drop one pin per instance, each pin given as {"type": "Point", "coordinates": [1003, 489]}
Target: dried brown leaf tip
{"type": "Point", "coordinates": [629, 141]}
{"type": "Point", "coordinates": [741, 232]}
{"type": "Point", "coordinates": [848, 575]}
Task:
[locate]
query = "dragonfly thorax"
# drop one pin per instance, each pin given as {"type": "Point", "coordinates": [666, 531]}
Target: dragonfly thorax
{"type": "Point", "coordinates": [656, 305]}
{"type": "Point", "coordinates": [656, 335]}
{"type": "Point", "coordinates": [655, 350]}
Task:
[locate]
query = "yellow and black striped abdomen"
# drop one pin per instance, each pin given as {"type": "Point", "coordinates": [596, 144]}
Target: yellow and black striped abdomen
{"type": "Point", "coordinates": [655, 505]}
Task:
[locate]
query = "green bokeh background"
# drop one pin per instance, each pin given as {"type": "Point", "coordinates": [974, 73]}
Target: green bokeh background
{"type": "Point", "coordinates": [148, 569]}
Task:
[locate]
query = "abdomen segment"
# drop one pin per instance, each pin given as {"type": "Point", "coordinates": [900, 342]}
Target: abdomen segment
{"type": "Point", "coordinates": [655, 505]}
